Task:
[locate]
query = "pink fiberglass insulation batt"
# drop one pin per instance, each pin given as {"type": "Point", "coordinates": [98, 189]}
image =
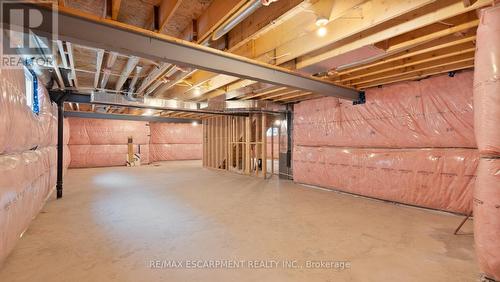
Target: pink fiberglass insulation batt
{"type": "Point", "coordinates": [28, 157]}
{"type": "Point", "coordinates": [487, 217]}
{"type": "Point", "coordinates": [176, 141]}
{"type": "Point", "coordinates": [434, 178]}
{"type": "Point", "coordinates": [487, 129]}
{"type": "Point", "coordinates": [107, 132]}
{"type": "Point", "coordinates": [20, 128]}
{"type": "Point", "coordinates": [434, 112]}
{"type": "Point", "coordinates": [170, 152]}
{"type": "Point", "coordinates": [487, 83]}
{"type": "Point", "coordinates": [104, 155]}
{"type": "Point", "coordinates": [175, 133]}
{"type": "Point", "coordinates": [25, 182]}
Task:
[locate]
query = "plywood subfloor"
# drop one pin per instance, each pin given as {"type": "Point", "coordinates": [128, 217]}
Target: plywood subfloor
{"type": "Point", "coordinates": [112, 222]}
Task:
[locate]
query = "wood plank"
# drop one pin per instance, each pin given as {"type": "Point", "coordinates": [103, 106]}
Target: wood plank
{"type": "Point", "coordinates": [374, 13]}
{"type": "Point", "coordinates": [436, 15]}
{"type": "Point", "coordinates": [166, 11]}
{"type": "Point", "coordinates": [216, 14]}
{"type": "Point", "coordinates": [432, 56]}
{"type": "Point", "coordinates": [267, 91]}
{"type": "Point", "coordinates": [71, 58]}
{"type": "Point", "coordinates": [418, 68]}
{"type": "Point", "coordinates": [264, 145]}
{"type": "Point", "coordinates": [115, 9]}
{"type": "Point", "coordinates": [426, 48]}
{"type": "Point", "coordinates": [412, 76]}
{"type": "Point", "coordinates": [99, 59]}
{"type": "Point", "coordinates": [131, 64]}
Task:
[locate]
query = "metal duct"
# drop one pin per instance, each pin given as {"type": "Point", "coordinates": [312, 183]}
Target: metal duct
{"type": "Point", "coordinates": [242, 14]}
{"type": "Point", "coordinates": [223, 107]}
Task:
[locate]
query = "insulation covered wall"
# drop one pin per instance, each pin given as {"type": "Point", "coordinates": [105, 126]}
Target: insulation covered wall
{"type": "Point", "coordinates": [20, 128]}
{"type": "Point", "coordinates": [487, 129]}
{"type": "Point", "coordinates": [412, 142]}
{"type": "Point", "coordinates": [434, 112]}
{"type": "Point", "coordinates": [172, 152]}
{"type": "Point", "coordinates": [103, 142]}
{"type": "Point", "coordinates": [28, 157]}
{"type": "Point", "coordinates": [434, 178]}
{"type": "Point", "coordinates": [105, 155]}
{"type": "Point", "coordinates": [87, 131]}
{"type": "Point", "coordinates": [176, 141]}
{"type": "Point", "coordinates": [175, 133]}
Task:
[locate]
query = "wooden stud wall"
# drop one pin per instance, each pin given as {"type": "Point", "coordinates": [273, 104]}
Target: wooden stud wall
{"type": "Point", "coordinates": [237, 143]}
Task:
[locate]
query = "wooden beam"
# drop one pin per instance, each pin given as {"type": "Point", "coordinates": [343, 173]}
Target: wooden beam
{"type": "Point", "coordinates": [60, 47]}
{"type": "Point", "coordinates": [265, 92]}
{"type": "Point", "coordinates": [289, 91]}
{"type": "Point", "coordinates": [240, 84]}
{"type": "Point", "coordinates": [373, 12]}
{"type": "Point", "coordinates": [69, 47]}
{"type": "Point", "coordinates": [302, 98]}
{"type": "Point", "coordinates": [417, 68]}
{"type": "Point", "coordinates": [207, 86]}
{"type": "Point", "coordinates": [292, 96]}
{"type": "Point", "coordinates": [422, 74]}
{"type": "Point", "coordinates": [131, 63]}
{"type": "Point", "coordinates": [152, 76]}
{"type": "Point", "coordinates": [138, 70]}
{"type": "Point", "coordinates": [263, 20]}
{"type": "Point", "coordinates": [437, 15]}
{"type": "Point", "coordinates": [167, 10]}
{"type": "Point", "coordinates": [405, 64]}
{"type": "Point", "coordinates": [98, 65]}
{"type": "Point", "coordinates": [115, 9]}
{"type": "Point", "coordinates": [218, 12]}
{"type": "Point", "coordinates": [421, 49]}
{"type": "Point", "coordinates": [107, 71]}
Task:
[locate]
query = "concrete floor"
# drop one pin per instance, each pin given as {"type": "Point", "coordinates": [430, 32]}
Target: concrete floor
{"type": "Point", "coordinates": [113, 222]}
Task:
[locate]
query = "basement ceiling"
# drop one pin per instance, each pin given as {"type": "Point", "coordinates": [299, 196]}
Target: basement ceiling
{"type": "Point", "coordinates": [368, 43]}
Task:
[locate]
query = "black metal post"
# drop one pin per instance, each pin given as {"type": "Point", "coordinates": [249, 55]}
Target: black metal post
{"type": "Point", "coordinates": [60, 147]}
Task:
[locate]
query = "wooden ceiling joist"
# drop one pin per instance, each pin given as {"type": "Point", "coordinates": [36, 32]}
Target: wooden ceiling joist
{"type": "Point", "coordinates": [110, 61]}
{"type": "Point", "coordinates": [266, 92]}
{"type": "Point", "coordinates": [115, 9]}
{"type": "Point", "coordinates": [131, 64]}
{"type": "Point", "coordinates": [99, 59]}
{"type": "Point", "coordinates": [153, 76]}
{"type": "Point", "coordinates": [424, 58]}
{"type": "Point", "coordinates": [418, 68]}
{"type": "Point", "coordinates": [422, 74]}
{"type": "Point", "coordinates": [439, 14]}
{"type": "Point", "coordinates": [166, 11]}
{"type": "Point", "coordinates": [422, 49]}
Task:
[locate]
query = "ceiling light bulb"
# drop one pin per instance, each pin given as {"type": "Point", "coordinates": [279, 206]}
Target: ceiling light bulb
{"type": "Point", "coordinates": [277, 122]}
{"type": "Point", "coordinates": [321, 21]}
{"type": "Point", "coordinates": [197, 90]}
{"type": "Point", "coordinates": [194, 123]}
{"type": "Point", "coordinates": [321, 31]}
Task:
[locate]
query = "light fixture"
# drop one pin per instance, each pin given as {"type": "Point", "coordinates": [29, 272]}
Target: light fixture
{"type": "Point", "coordinates": [321, 24]}
{"type": "Point", "coordinates": [277, 122]}
{"type": "Point", "coordinates": [321, 31]}
{"type": "Point", "coordinates": [197, 90]}
{"type": "Point", "coordinates": [148, 112]}
{"type": "Point", "coordinates": [194, 123]}
{"type": "Point", "coordinates": [321, 21]}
